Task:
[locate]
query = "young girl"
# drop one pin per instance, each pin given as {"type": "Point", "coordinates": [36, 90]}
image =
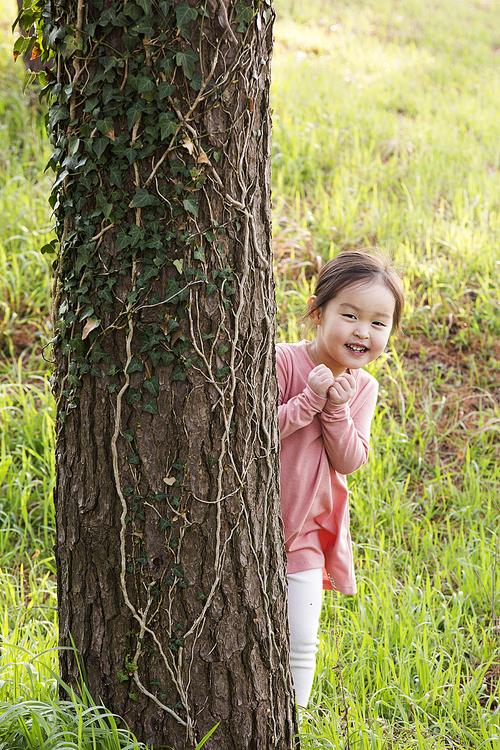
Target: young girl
{"type": "Point", "coordinates": [325, 411]}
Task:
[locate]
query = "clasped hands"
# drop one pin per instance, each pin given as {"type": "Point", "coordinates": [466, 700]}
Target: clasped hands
{"type": "Point", "coordinates": [337, 390]}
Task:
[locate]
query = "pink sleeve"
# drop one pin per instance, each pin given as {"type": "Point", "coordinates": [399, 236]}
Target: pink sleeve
{"type": "Point", "coordinates": [298, 411]}
{"type": "Point", "coordinates": [346, 430]}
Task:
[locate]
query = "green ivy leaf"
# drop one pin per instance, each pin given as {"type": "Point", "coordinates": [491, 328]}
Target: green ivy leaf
{"type": "Point", "coordinates": [133, 113]}
{"type": "Point", "coordinates": [142, 198]}
{"type": "Point", "coordinates": [165, 89]}
{"type": "Point", "coordinates": [135, 365]}
{"type": "Point", "coordinates": [61, 112]}
{"type": "Point", "coordinates": [60, 178]}
{"type": "Point", "coordinates": [49, 248]}
{"type": "Point", "coordinates": [99, 145]}
{"type": "Point", "coordinates": [105, 294]}
{"type": "Point", "coordinates": [136, 235]}
{"type": "Point", "coordinates": [98, 353]}
{"type": "Point", "coordinates": [178, 373]}
{"type": "Point", "coordinates": [153, 385]}
{"type": "Point", "coordinates": [19, 45]}
{"type": "Point", "coordinates": [187, 59]}
{"type": "Point", "coordinates": [165, 523]}
{"type": "Point", "coordinates": [244, 15]}
{"type": "Point", "coordinates": [196, 83]}
{"type": "Point", "coordinates": [130, 666]}
{"type": "Point", "coordinates": [73, 145]}
{"type": "Point", "coordinates": [165, 6]}
{"type": "Point", "coordinates": [191, 204]}
{"type": "Point", "coordinates": [89, 310]}
{"type": "Point", "coordinates": [168, 126]}
{"type": "Point", "coordinates": [115, 175]}
{"type": "Point", "coordinates": [74, 382]}
{"type": "Point", "coordinates": [151, 406]}
{"type": "Point", "coordinates": [177, 570]}
{"type": "Point", "coordinates": [122, 241]}
{"type": "Point", "coordinates": [167, 65]}
{"type": "Point", "coordinates": [130, 154]}
{"type": "Point", "coordinates": [133, 395]}
{"type": "Point", "coordinates": [184, 14]}
{"type": "Point", "coordinates": [155, 357]}
{"type": "Point", "coordinates": [144, 84]}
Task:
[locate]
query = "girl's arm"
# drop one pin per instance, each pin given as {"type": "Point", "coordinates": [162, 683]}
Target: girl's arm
{"type": "Point", "coordinates": [346, 429]}
{"type": "Point", "coordinates": [298, 411]}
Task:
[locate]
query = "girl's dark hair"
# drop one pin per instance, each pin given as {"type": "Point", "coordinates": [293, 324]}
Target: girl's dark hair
{"type": "Point", "coordinates": [358, 267]}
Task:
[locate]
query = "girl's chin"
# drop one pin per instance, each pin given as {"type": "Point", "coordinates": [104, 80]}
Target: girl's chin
{"type": "Point", "coordinates": [361, 357]}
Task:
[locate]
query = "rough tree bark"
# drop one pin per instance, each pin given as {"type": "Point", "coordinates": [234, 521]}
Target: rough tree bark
{"type": "Point", "coordinates": [169, 542]}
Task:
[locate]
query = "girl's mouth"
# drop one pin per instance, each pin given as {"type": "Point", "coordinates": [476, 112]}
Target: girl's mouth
{"type": "Point", "coordinates": [357, 349]}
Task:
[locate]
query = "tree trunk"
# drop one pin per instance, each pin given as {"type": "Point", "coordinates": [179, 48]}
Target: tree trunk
{"type": "Point", "coordinates": [170, 556]}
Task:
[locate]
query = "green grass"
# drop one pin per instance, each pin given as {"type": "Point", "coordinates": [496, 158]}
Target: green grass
{"type": "Point", "coordinates": [385, 131]}
{"type": "Point", "coordinates": [26, 472]}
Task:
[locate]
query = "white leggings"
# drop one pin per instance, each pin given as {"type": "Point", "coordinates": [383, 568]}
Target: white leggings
{"type": "Point", "coordinates": [305, 595]}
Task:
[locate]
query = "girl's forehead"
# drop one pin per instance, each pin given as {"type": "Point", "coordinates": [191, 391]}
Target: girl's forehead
{"type": "Point", "coordinates": [366, 294]}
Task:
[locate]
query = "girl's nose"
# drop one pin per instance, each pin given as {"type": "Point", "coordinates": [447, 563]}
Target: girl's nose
{"type": "Point", "coordinates": [362, 333]}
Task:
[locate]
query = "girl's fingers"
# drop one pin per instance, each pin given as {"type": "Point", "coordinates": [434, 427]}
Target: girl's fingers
{"type": "Point", "coordinates": [320, 379]}
{"type": "Point", "coordinates": [322, 370]}
{"type": "Point", "coordinates": [346, 380]}
{"type": "Point", "coordinates": [342, 389]}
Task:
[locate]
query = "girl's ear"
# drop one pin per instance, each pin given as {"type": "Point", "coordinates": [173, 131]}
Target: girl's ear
{"type": "Point", "coordinates": [315, 315]}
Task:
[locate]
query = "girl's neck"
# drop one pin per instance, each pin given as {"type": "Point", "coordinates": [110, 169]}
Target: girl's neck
{"type": "Point", "coordinates": [312, 351]}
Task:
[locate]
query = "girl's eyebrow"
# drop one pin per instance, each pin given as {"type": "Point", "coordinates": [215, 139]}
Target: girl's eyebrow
{"type": "Point", "coordinates": [357, 309]}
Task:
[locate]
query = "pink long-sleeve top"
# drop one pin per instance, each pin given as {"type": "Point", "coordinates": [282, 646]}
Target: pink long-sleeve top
{"type": "Point", "coordinates": [320, 444]}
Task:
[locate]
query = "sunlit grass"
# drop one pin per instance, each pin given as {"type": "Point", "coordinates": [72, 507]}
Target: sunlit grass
{"type": "Point", "coordinates": [397, 146]}
{"type": "Point", "coordinates": [385, 131]}
{"type": "Point", "coordinates": [26, 473]}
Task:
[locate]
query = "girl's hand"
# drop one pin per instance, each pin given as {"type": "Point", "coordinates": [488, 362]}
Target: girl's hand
{"type": "Point", "coordinates": [320, 380]}
{"type": "Point", "coordinates": [343, 389]}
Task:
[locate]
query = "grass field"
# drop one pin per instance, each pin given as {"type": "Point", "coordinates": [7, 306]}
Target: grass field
{"type": "Point", "coordinates": [385, 131]}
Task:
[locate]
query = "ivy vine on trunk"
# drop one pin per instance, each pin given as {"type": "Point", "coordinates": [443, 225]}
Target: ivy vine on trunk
{"type": "Point", "coordinates": [169, 543]}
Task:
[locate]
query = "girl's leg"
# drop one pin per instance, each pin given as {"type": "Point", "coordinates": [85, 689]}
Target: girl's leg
{"type": "Point", "coordinates": [305, 594]}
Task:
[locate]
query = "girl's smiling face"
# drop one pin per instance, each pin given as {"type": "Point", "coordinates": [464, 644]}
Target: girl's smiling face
{"type": "Point", "coordinates": [352, 328]}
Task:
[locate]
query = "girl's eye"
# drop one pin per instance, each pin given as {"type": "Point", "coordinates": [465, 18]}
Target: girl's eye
{"type": "Point", "coordinates": [378, 323]}
{"type": "Point", "coordinates": [349, 316]}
